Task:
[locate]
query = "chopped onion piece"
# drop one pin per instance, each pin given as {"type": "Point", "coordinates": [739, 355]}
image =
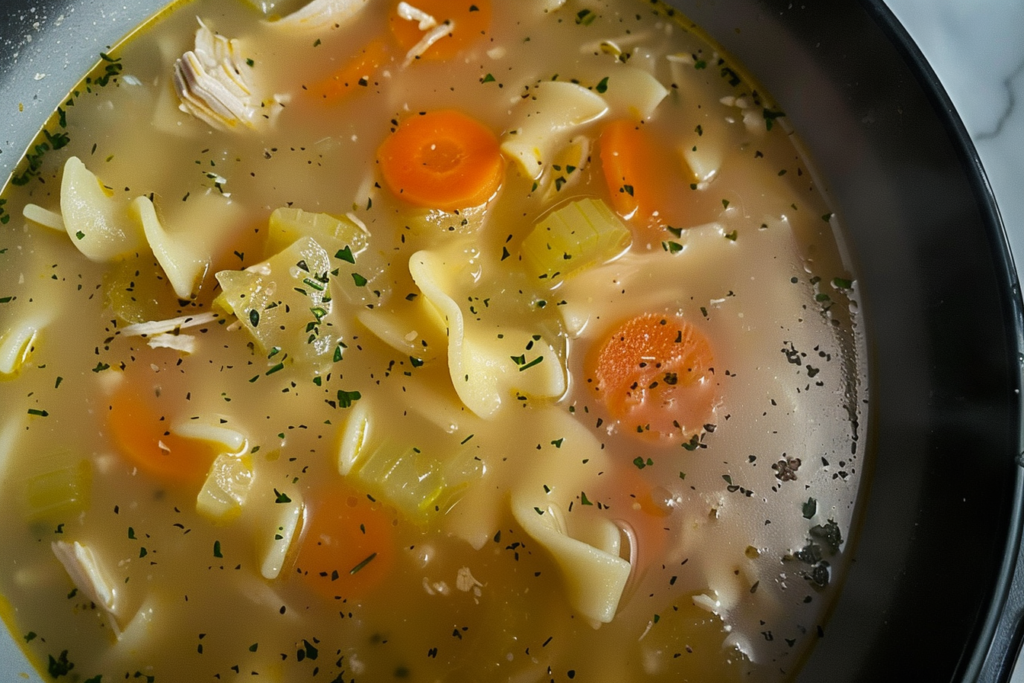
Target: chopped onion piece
{"type": "Point", "coordinates": [185, 343]}
{"type": "Point", "coordinates": [87, 574]}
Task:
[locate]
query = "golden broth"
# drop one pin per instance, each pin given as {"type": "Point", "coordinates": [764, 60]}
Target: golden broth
{"type": "Point", "coordinates": [413, 563]}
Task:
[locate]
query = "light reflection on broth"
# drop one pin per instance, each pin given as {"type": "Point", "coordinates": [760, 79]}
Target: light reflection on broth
{"type": "Point", "coordinates": [576, 394]}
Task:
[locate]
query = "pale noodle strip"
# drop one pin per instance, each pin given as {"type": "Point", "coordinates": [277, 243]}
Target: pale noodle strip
{"type": "Point", "coordinates": [154, 327]}
{"type": "Point", "coordinates": [44, 217]}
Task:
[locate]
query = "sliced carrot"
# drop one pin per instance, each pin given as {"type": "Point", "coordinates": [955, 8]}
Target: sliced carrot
{"type": "Point", "coordinates": [347, 547]}
{"type": "Point", "coordinates": [655, 374]}
{"type": "Point", "coordinates": [139, 420]}
{"type": "Point", "coordinates": [442, 160]}
{"type": "Point", "coordinates": [469, 21]}
{"type": "Point", "coordinates": [640, 175]}
{"type": "Point", "coordinates": [354, 75]}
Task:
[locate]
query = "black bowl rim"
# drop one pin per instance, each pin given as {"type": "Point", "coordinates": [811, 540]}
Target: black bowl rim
{"type": "Point", "coordinates": [997, 637]}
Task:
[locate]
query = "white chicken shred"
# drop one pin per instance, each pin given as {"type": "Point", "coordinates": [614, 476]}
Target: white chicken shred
{"type": "Point", "coordinates": [410, 13]}
{"type": "Point", "coordinates": [172, 325]}
{"type": "Point", "coordinates": [215, 84]}
{"type": "Point", "coordinates": [428, 39]}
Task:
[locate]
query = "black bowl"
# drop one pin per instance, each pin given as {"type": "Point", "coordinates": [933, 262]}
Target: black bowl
{"type": "Point", "coordinates": [928, 597]}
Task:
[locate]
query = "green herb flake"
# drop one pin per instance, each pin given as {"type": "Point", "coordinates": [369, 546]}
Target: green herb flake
{"type": "Point", "coordinates": [770, 116]}
{"type": "Point", "coordinates": [281, 497]}
{"type": "Point", "coordinates": [38, 413]}
{"type": "Point", "coordinates": [345, 255]}
{"type": "Point", "coordinates": [672, 247]}
{"type": "Point", "coordinates": [810, 508]}
{"type": "Point", "coordinates": [585, 17]}
{"type": "Point", "coordinates": [254, 317]}
{"type": "Point", "coordinates": [731, 235]}
{"type": "Point", "coordinates": [557, 443]}
{"type": "Point", "coordinates": [583, 499]}
{"type": "Point", "coordinates": [347, 398]}
{"type": "Point", "coordinates": [602, 87]}
{"type": "Point", "coordinates": [59, 666]}
{"type": "Point", "coordinates": [842, 283]}
{"type": "Point", "coordinates": [535, 361]}
{"type": "Point", "coordinates": [216, 549]}
{"type": "Point", "coordinates": [359, 567]}
{"type": "Point", "coordinates": [489, 78]}
{"type": "Point", "coordinates": [359, 280]}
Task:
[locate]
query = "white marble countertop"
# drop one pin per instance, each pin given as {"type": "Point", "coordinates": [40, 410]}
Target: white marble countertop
{"type": "Point", "coordinates": [977, 50]}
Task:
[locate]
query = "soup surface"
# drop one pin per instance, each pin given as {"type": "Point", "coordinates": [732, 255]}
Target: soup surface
{"type": "Point", "coordinates": [445, 341]}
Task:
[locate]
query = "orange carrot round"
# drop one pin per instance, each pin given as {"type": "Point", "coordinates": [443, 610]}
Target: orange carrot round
{"type": "Point", "coordinates": [354, 75]}
{"type": "Point", "coordinates": [469, 21]}
{"type": "Point", "coordinates": [640, 175]}
{"type": "Point", "coordinates": [139, 426]}
{"type": "Point", "coordinates": [347, 546]}
{"type": "Point", "coordinates": [442, 160]}
{"type": "Point", "coordinates": [655, 374]}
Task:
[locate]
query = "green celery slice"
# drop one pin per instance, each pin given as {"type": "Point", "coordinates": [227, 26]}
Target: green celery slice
{"type": "Point", "coordinates": [287, 225]}
{"type": "Point", "coordinates": [579, 235]}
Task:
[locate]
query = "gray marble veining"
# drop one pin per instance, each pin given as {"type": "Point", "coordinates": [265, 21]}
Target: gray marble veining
{"type": "Point", "coordinates": [977, 50]}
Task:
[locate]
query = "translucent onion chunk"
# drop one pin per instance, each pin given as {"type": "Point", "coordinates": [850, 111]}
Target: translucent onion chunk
{"type": "Point", "coordinates": [226, 488]}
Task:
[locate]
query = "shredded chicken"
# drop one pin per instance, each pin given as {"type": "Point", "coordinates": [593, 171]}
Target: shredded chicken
{"type": "Point", "coordinates": [216, 85]}
{"type": "Point", "coordinates": [428, 39]}
{"type": "Point", "coordinates": [173, 325]}
{"type": "Point", "coordinates": [410, 13]}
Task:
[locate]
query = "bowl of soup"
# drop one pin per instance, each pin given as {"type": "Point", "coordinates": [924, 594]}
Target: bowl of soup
{"type": "Point", "coordinates": [499, 341]}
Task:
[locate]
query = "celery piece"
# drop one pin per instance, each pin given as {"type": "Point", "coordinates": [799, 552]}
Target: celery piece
{"type": "Point", "coordinates": [403, 476]}
{"type": "Point", "coordinates": [226, 488]}
{"type": "Point", "coordinates": [413, 478]}
{"type": "Point", "coordinates": [579, 235]}
{"type": "Point", "coordinates": [59, 493]}
{"type": "Point", "coordinates": [288, 225]}
{"type": "Point", "coordinates": [285, 302]}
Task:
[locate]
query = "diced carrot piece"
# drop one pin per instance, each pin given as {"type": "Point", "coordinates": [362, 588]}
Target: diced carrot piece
{"type": "Point", "coordinates": [655, 374]}
{"type": "Point", "coordinates": [347, 547]}
{"type": "Point", "coordinates": [442, 160]}
{"type": "Point", "coordinates": [139, 421]}
{"type": "Point", "coordinates": [469, 20]}
{"type": "Point", "coordinates": [640, 176]}
{"type": "Point", "coordinates": [353, 75]}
